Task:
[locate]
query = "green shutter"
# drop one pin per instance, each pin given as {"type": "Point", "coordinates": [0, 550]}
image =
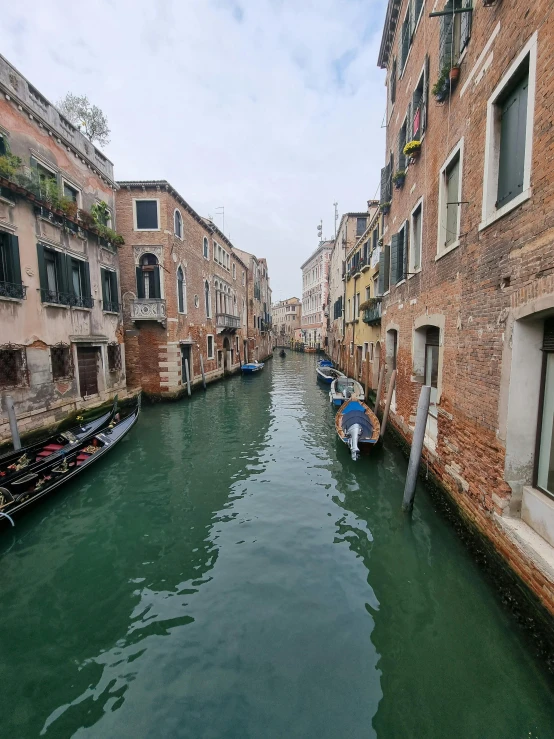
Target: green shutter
{"type": "Point", "coordinates": [445, 38]}
{"type": "Point", "coordinates": [103, 279]}
{"type": "Point", "coordinates": [513, 129]}
{"type": "Point", "coordinates": [394, 259]}
{"type": "Point", "coordinates": [140, 283]}
{"type": "Point", "coordinates": [157, 288]}
{"type": "Point", "coordinates": [86, 280]}
{"type": "Point", "coordinates": [63, 267]}
{"type": "Point", "coordinates": [382, 272]}
{"type": "Point", "coordinates": [13, 260]}
{"type": "Point", "coordinates": [3, 147]}
{"type": "Point", "coordinates": [423, 120]}
{"type": "Point", "coordinates": [387, 268]}
{"type": "Point", "coordinates": [465, 25]}
{"type": "Point", "coordinates": [114, 291]}
{"type": "Point", "coordinates": [43, 279]}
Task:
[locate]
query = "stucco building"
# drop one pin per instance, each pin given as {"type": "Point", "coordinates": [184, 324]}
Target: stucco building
{"type": "Point", "coordinates": [315, 297]}
{"type": "Point", "coordinates": [184, 292]}
{"type": "Point", "coordinates": [259, 341]}
{"type": "Point", "coordinates": [286, 316]}
{"type": "Point", "coordinates": [466, 266]}
{"type": "Point", "coordinates": [61, 346]}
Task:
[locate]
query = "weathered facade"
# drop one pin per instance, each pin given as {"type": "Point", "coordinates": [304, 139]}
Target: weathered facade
{"type": "Point", "coordinates": [286, 315]}
{"type": "Point", "coordinates": [315, 297]}
{"type": "Point", "coordinates": [259, 340]}
{"type": "Point", "coordinates": [466, 266]}
{"type": "Point", "coordinates": [184, 292]}
{"type": "Point", "coordinates": [61, 346]}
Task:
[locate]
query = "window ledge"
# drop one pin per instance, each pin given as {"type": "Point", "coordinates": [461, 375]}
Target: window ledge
{"type": "Point", "coordinates": [402, 282]}
{"type": "Point", "coordinates": [413, 274]}
{"type": "Point", "coordinates": [81, 307]}
{"type": "Point", "coordinates": [448, 249]}
{"type": "Point", "coordinates": [501, 212]}
{"type": "Point", "coordinates": [142, 230]}
{"type": "Point", "coordinates": [56, 305]}
{"type": "Point", "coordinates": [11, 300]}
{"type": "Point", "coordinates": [109, 312]}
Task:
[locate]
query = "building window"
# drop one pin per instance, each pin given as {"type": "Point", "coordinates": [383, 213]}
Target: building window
{"type": "Point", "coordinates": [206, 249]}
{"type": "Point", "coordinates": [146, 215]}
{"type": "Point", "coordinates": [420, 101]}
{"type": "Point", "coordinates": [114, 357]}
{"type": "Point", "coordinates": [70, 192]}
{"type": "Point", "coordinates": [391, 348]}
{"type": "Point", "coordinates": [234, 271]}
{"type": "Point", "coordinates": [544, 472]}
{"type": "Point", "coordinates": [398, 255]}
{"type": "Point", "coordinates": [47, 180]}
{"type": "Point", "coordinates": [450, 195]}
{"type": "Point", "coordinates": [211, 354]}
{"type": "Point", "coordinates": [63, 279]}
{"type": "Point", "coordinates": [110, 296]}
{"type": "Point", "coordinates": [351, 348]}
{"type": "Point", "coordinates": [4, 148]}
{"type": "Point", "coordinates": [178, 223]}
{"type": "Point", "coordinates": [416, 239]}
{"type": "Point", "coordinates": [148, 278]}
{"type": "Point", "coordinates": [509, 137]}
{"type": "Point", "coordinates": [404, 41]}
{"type": "Point", "coordinates": [402, 141]}
{"type": "Point", "coordinates": [207, 299]}
{"type": "Point", "coordinates": [13, 366]}
{"type": "Point", "coordinates": [392, 82]}
{"type": "Point", "coordinates": [10, 268]}
{"type": "Point", "coordinates": [243, 279]}
{"type": "Point", "coordinates": [431, 369]}
{"type": "Point", "coordinates": [371, 347]}
{"type": "Point", "coordinates": [368, 292]}
{"type": "Point", "coordinates": [62, 362]}
{"type": "Point", "coordinates": [196, 301]}
{"type": "Point", "coordinates": [360, 226]}
{"type": "Point", "coordinates": [80, 284]}
{"type": "Point", "coordinates": [455, 32]}
{"type": "Point", "coordinates": [181, 291]}
{"type": "Point", "coordinates": [364, 351]}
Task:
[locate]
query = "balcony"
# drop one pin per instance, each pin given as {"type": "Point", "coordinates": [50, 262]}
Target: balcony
{"type": "Point", "coordinates": [13, 290]}
{"type": "Point", "coordinates": [372, 314]}
{"type": "Point", "coordinates": [226, 322]}
{"type": "Point", "coordinates": [148, 309]}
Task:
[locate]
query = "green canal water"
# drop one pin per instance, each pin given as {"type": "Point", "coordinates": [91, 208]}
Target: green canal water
{"type": "Point", "coordinates": [228, 571]}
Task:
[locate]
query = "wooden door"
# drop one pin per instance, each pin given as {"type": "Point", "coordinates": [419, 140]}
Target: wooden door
{"type": "Point", "coordinates": [88, 372]}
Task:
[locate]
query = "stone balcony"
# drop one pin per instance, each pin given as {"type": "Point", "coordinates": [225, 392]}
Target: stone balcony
{"type": "Point", "coordinates": [148, 309]}
{"type": "Point", "coordinates": [372, 315]}
{"type": "Point", "coordinates": [226, 322]}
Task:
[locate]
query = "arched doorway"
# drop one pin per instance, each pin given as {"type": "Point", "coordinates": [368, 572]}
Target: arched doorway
{"type": "Point", "coordinates": [376, 364]}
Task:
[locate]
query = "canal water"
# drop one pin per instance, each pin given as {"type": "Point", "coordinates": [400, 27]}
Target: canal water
{"type": "Point", "coordinates": [228, 571]}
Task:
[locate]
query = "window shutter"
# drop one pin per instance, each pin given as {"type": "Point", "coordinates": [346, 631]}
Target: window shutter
{"type": "Point", "coordinates": [104, 279]}
{"type": "Point", "coordinates": [405, 251]}
{"type": "Point", "coordinates": [413, 18]}
{"type": "Point", "coordinates": [512, 144]}
{"type": "Point", "coordinates": [384, 184]}
{"type": "Point", "coordinates": [423, 124]}
{"type": "Point", "coordinates": [114, 288]}
{"type": "Point", "coordinates": [401, 144]}
{"type": "Point", "coordinates": [409, 123]}
{"type": "Point", "coordinates": [43, 279]}
{"type": "Point", "coordinates": [394, 259]}
{"type": "Point", "coordinates": [400, 56]}
{"type": "Point", "coordinates": [86, 280]}
{"type": "Point", "coordinates": [63, 266]}
{"type": "Point", "coordinates": [392, 82]}
{"type": "Point", "coordinates": [382, 272]}
{"type": "Point", "coordinates": [13, 256]}
{"type": "Point", "coordinates": [157, 289]}
{"type": "Point", "coordinates": [140, 283]}
{"type": "Point", "coordinates": [465, 25]}
{"type": "Point", "coordinates": [548, 338]}
{"type": "Point", "coordinates": [387, 267]}
{"type": "Point", "coordinates": [445, 39]}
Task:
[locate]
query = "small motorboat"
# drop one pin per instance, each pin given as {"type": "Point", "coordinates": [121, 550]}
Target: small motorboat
{"type": "Point", "coordinates": [43, 479]}
{"type": "Point", "coordinates": [282, 353]}
{"type": "Point", "coordinates": [325, 363]}
{"type": "Point", "coordinates": [357, 426]}
{"type": "Point", "coordinates": [21, 461]}
{"type": "Point", "coordinates": [345, 388]}
{"type": "Point", "coordinates": [250, 367]}
{"type": "Point", "coordinates": [327, 374]}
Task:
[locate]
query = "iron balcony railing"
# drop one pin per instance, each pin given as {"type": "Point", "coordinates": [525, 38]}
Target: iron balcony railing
{"type": "Point", "coordinates": [148, 309]}
{"type": "Point", "coordinates": [13, 290]}
{"type": "Point", "coordinates": [63, 298]}
{"type": "Point", "coordinates": [110, 306]}
{"type": "Point", "coordinates": [373, 315]}
{"type": "Point", "coordinates": [225, 320]}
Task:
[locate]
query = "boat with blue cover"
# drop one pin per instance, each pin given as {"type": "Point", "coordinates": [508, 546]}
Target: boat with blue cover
{"type": "Point", "coordinates": [327, 374]}
{"type": "Point", "coordinates": [357, 426]}
{"type": "Point", "coordinates": [250, 367]}
{"type": "Point", "coordinates": [345, 388]}
{"type": "Point", "coordinates": [325, 363]}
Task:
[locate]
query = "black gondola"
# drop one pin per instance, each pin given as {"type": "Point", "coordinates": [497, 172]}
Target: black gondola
{"type": "Point", "coordinates": [21, 461]}
{"type": "Point", "coordinates": [282, 353]}
{"type": "Point", "coordinates": [26, 490]}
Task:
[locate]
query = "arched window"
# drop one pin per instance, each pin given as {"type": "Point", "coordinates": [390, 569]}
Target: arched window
{"type": "Point", "coordinates": [181, 291]}
{"type": "Point", "coordinates": [206, 248]}
{"type": "Point", "coordinates": [207, 298]}
{"type": "Point", "coordinates": [148, 277]}
{"type": "Point", "coordinates": [178, 224]}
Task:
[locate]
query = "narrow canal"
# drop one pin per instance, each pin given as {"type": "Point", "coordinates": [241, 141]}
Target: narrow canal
{"type": "Point", "coordinates": [229, 572]}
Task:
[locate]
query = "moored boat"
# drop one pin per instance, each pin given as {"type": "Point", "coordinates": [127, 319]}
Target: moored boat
{"type": "Point", "coordinates": [282, 353]}
{"type": "Point", "coordinates": [327, 374]}
{"type": "Point", "coordinates": [46, 477]}
{"type": "Point", "coordinates": [20, 461]}
{"type": "Point", "coordinates": [325, 363]}
{"type": "Point", "coordinates": [250, 367]}
{"type": "Point", "coordinates": [357, 426]}
{"type": "Point", "coordinates": [345, 388]}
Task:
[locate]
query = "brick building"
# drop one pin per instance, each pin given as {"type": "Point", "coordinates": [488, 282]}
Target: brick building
{"type": "Point", "coordinates": [466, 269]}
{"type": "Point", "coordinates": [286, 316]}
{"type": "Point", "coordinates": [61, 347]}
{"type": "Point", "coordinates": [315, 296]}
{"type": "Point", "coordinates": [260, 340]}
{"type": "Point", "coordinates": [184, 291]}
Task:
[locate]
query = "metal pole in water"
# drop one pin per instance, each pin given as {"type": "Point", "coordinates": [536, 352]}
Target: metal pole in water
{"type": "Point", "coordinates": [379, 387]}
{"type": "Point", "coordinates": [13, 422]}
{"type": "Point", "coordinates": [187, 373]}
{"type": "Point", "coordinates": [202, 371]}
{"type": "Point", "coordinates": [417, 447]}
{"type": "Point", "coordinates": [387, 403]}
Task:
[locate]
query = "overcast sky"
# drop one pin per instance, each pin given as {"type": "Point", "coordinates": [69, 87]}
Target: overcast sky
{"type": "Point", "coordinates": [271, 108]}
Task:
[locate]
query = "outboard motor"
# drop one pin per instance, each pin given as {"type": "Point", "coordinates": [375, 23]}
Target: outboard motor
{"type": "Point", "coordinates": [354, 432]}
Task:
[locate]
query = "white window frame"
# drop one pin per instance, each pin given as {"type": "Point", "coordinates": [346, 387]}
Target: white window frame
{"type": "Point", "coordinates": [184, 311]}
{"type": "Point", "coordinates": [73, 186]}
{"type": "Point", "coordinates": [181, 218]}
{"type": "Point", "coordinates": [411, 271]}
{"type": "Point", "coordinates": [489, 212]}
{"type": "Point", "coordinates": [135, 200]}
{"type": "Point", "coordinates": [441, 229]}
{"type": "Point", "coordinates": [209, 311]}
{"type": "Point", "coordinates": [208, 337]}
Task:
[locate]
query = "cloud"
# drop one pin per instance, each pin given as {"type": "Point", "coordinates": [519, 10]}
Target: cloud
{"type": "Point", "coordinates": [272, 108]}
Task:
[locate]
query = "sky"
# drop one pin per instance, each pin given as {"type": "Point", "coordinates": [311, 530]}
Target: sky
{"type": "Point", "coordinates": [272, 109]}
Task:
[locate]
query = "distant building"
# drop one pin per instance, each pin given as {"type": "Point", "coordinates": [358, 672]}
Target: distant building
{"type": "Point", "coordinates": [260, 342]}
{"type": "Point", "coordinates": [315, 295]}
{"type": "Point", "coordinates": [62, 341]}
{"type": "Point", "coordinates": [287, 316]}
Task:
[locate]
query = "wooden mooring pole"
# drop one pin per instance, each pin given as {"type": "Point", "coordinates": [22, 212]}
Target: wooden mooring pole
{"type": "Point", "coordinates": [417, 447]}
{"type": "Point", "coordinates": [387, 403]}
{"type": "Point", "coordinates": [16, 441]}
{"type": "Point", "coordinates": [379, 387]}
{"type": "Point", "coordinates": [187, 373]}
{"type": "Point", "coordinates": [202, 371]}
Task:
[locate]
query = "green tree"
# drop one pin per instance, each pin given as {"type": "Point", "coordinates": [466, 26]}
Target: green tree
{"type": "Point", "coordinates": [89, 119]}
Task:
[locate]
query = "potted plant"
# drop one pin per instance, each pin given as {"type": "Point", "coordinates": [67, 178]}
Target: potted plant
{"type": "Point", "coordinates": [412, 150]}
{"type": "Point", "coordinates": [454, 73]}
{"type": "Point", "coordinates": [441, 88]}
{"type": "Point", "coordinates": [385, 207]}
{"type": "Point", "coordinates": [398, 178]}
